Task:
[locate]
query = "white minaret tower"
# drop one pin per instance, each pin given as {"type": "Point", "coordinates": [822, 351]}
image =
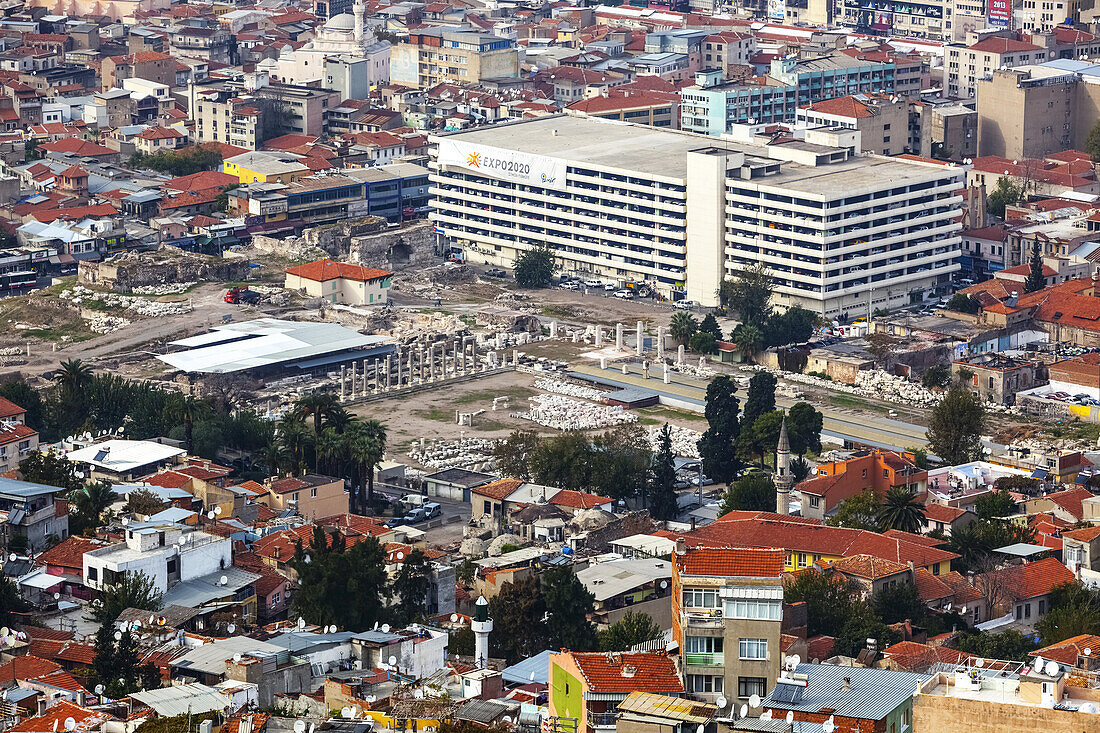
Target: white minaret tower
{"type": "Point", "coordinates": [784, 481]}
{"type": "Point", "coordinates": [359, 10]}
{"type": "Point", "coordinates": [482, 626]}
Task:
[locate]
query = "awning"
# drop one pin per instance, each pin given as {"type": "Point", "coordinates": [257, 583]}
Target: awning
{"type": "Point", "coordinates": [62, 259]}
{"type": "Point", "coordinates": [43, 580]}
{"type": "Point", "coordinates": [771, 593]}
{"type": "Point", "coordinates": [1040, 473]}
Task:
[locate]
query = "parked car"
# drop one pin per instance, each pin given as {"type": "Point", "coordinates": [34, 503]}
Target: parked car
{"type": "Point", "coordinates": [570, 285]}
{"type": "Point", "coordinates": [496, 272]}
{"type": "Point", "coordinates": [591, 283]}
{"type": "Point", "coordinates": [610, 287]}
{"type": "Point", "coordinates": [685, 304]}
{"type": "Point", "coordinates": [432, 510]}
{"type": "Point", "coordinates": [625, 294]}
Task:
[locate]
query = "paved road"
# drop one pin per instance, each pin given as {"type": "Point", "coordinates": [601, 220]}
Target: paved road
{"type": "Point", "coordinates": [455, 516]}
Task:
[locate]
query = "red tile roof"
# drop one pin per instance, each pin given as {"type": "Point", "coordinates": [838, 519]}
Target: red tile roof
{"type": "Point", "coordinates": [169, 480]}
{"type": "Point", "coordinates": [754, 562]}
{"type": "Point", "coordinates": [78, 147]}
{"type": "Point", "coordinates": [1067, 652]}
{"type": "Point", "coordinates": [820, 647]}
{"type": "Point", "coordinates": [326, 269]}
{"type": "Point", "coordinates": [55, 716]}
{"type": "Point", "coordinates": [15, 433]}
{"type": "Point", "coordinates": [1035, 578]}
{"type": "Point", "coordinates": [1003, 45]}
{"type": "Point", "coordinates": [26, 667]}
{"type": "Point", "coordinates": [868, 566]}
{"type": "Point", "coordinates": [842, 107]}
{"type": "Point", "coordinates": [941, 513]}
{"type": "Point", "coordinates": [69, 553]}
{"type": "Point", "coordinates": [291, 140]}
{"type": "Point", "coordinates": [140, 57]}
{"type": "Point", "coordinates": [628, 672]}
{"type": "Point", "coordinates": [74, 213]}
{"type": "Point", "coordinates": [159, 133]}
{"type": "Point", "coordinates": [1085, 534]}
{"type": "Point", "coordinates": [911, 656]}
{"type": "Point", "coordinates": [930, 587]}
{"type": "Point", "coordinates": [578, 499]}
{"type": "Point", "coordinates": [499, 489]}
{"type": "Point", "coordinates": [1071, 500]}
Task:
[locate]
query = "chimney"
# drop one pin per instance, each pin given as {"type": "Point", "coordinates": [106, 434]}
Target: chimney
{"type": "Point", "coordinates": [912, 568]}
{"type": "Point", "coordinates": [847, 684]}
{"type": "Point", "coordinates": [681, 546]}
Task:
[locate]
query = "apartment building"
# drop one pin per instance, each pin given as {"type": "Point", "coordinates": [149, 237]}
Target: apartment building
{"type": "Point", "coordinates": [165, 552]}
{"type": "Point", "coordinates": [430, 56]}
{"type": "Point", "coordinates": [966, 65]}
{"type": "Point", "coordinates": [876, 470]}
{"type": "Point", "coordinates": [33, 514]}
{"type": "Point", "coordinates": [148, 65]}
{"type": "Point", "coordinates": [246, 113]}
{"type": "Point", "coordinates": [212, 45]}
{"type": "Point", "coordinates": [17, 439]}
{"type": "Point", "coordinates": [931, 20]}
{"type": "Point", "coordinates": [881, 120]}
{"type": "Point", "coordinates": [727, 50]}
{"type": "Point", "coordinates": [713, 107]}
{"type": "Point", "coordinates": [727, 615]}
{"type": "Point", "coordinates": [630, 202]}
{"type": "Point", "coordinates": [660, 109]}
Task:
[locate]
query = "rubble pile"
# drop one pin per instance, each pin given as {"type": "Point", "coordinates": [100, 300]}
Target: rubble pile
{"type": "Point", "coordinates": [164, 289]}
{"type": "Point", "coordinates": [694, 370]}
{"type": "Point", "coordinates": [563, 413]}
{"type": "Point", "coordinates": [102, 323]}
{"type": "Point", "coordinates": [470, 453]}
{"type": "Point", "coordinates": [685, 441]}
{"type": "Point", "coordinates": [569, 389]}
{"type": "Point", "coordinates": [12, 356]}
{"type": "Point", "coordinates": [142, 306]}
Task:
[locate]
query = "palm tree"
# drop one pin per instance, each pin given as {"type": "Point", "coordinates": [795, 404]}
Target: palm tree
{"type": "Point", "coordinates": [187, 410]}
{"type": "Point", "coordinates": [338, 418]}
{"type": "Point", "coordinates": [750, 341]}
{"type": "Point", "coordinates": [900, 511]}
{"type": "Point", "coordinates": [294, 438]}
{"type": "Point", "coordinates": [317, 405]}
{"type": "Point", "coordinates": [328, 448]}
{"type": "Point", "coordinates": [92, 500]}
{"type": "Point", "coordinates": [73, 376]}
{"type": "Point", "coordinates": [365, 443]}
{"type": "Point", "coordinates": [682, 326]}
{"type": "Point", "coordinates": [271, 456]}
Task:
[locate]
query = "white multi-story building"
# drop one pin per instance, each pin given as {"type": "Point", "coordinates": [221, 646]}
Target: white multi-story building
{"type": "Point", "coordinates": [166, 553]}
{"type": "Point", "coordinates": [682, 212]}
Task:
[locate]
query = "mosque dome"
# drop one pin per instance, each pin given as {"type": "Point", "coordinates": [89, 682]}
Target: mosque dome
{"type": "Point", "coordinates": [343, 23]}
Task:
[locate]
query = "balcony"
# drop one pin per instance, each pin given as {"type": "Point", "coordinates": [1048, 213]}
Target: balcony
{"type": "Point", "coordinates": [714, 659]}
{"type": "Point", "coordinates": [703, 618]}
{"type": "Point", "coordinates": [604, 721]}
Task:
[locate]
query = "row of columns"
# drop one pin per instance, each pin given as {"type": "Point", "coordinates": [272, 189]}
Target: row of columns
{"type": "Point", "coordinates": [639, 337]}
{"type": "Point", "coordinates": [416, 365]}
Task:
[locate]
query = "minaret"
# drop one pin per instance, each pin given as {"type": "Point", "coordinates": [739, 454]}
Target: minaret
{"type": "Point", "coordinates": [784, 481]}
{"type": "Point", "coordinates": [482, 626]}
{"type": "Point", "coordinates": [359, 10]}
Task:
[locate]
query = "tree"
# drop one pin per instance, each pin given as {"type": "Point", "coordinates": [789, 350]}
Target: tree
{"type": "Point", "coordinates": [857, 512]}
{"type": "Point", "coordinates": [897, 603]}
{"type": "Point", "coordinates": [754, 492]}
{"type": "Point", "coordinates": [881, 347]}
{"type": "Point", "coordinates": [749, 294]}
{"type": "Point", "coordinates": [133, 590]}
{"type": "Point", "coordinates": [11, 602]}
{"type": "Point", "coordinates": [1017, 484]}
{"type": "Point", "coordinates": [793, 326]}
{"type": "Point", "coordinates": [662, 492]}
{"type": "Point", "coordinates": [316, 405]}
{"type": "Point", "coordinates": [1004, 193]}
{"type": "Point", "coordinates": [1008, 645]}
{"type": "Point", "coordinates": [411, 588]}
{"type": "Point", "coordinates": [519, 620]}
{"type": "Point", "coordinates": [762, 437]}
{"type": "Point", "coordinates": [179, 162]}
{"type": "Point", "coordinates": [804, 424]}
{"type": "Point", "coordinates": [221, 202]}
{"type": "Point", "coordinates": [1035, 280]}
{"type": "Point", "coordinates": [535, 267]}
{"type": "Point", "coordinates": [104, 664]}
{"type": "Point", "coordinates": [563, 461]}
{"type": "Point", "coordinates": [294, 440]}
{"type": "Point", "coordinates": [710, 325]}
{"type": "Point", "coordinates": [716, 446]}
{"type": "Point", "coordinates": [702, 342]}
{"type": "Point", "coordinates": [329, 574]}
{"type": "Point", "coordinates": [683, 326]}
{"type": "Point", "coordinates": [1092, 143]}
{"type": "Point", "coordinates": [1074, 610]}
{"type": "Point", "coordinates": [750, 341]}
{"type": "Point", "coordinates": [366, 444]}
{"type": "Point", "coordinates": [994, 505]}
{"type": "Point", "coordinates": [829, 599]}
{"type": "Point", "coordinates": [633, 628]}
{"type": "Point", "coordinates": [900, 511]}
{"type": "Point", "coordinates": [513, 454]}
{"type": "Point", "coordinates": [956, 426]}
{"type": "Point", "coordinates": [761, 397]}
{"type": "Point", "coordinates": [963, 303]}
{"type": "Point", "coordinates": [87, 505]}
{"type": "Point", "coordinates": [619, 462]}
{"type": "Point", "coordinates": [936, 376]}
{"type": "Point", "coordinates": [30, 399]}
{"type": "Point", "coordinates": [568, 604]}
{"type": "Point", "coordinates": [51, 469]}
{"type": "Point", "coordinates": [860, 625]}
{"type": "Point", "coordinates": [187, 410]}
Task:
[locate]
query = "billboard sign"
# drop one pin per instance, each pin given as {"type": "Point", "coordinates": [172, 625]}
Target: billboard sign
{"type": "Point", "coordinates": [999, 12]}
{"type": "Point", "coordinates": [509, 165]}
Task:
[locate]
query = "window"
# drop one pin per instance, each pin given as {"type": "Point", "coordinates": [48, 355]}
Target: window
{"type": "Point", "coordinates": [802, 560]}
{"type": "Point", "coordinates": [93, 573]}
{"type": "Point", "coordinates": [1042, 607]}
{"type": "Point", "coordinates": [703, 644]}
{"type": "Point", "coordinates": [700, 598]}
{"type": "Point", "coordinates": [488, 509]}
{"type": "Point", "coordinates": [313, 493]}
{"type": "Point", "coordinates": [754, 608]}
{"type": "Point", "coordinates": [1027, 610]}
{"type": "Point", "coordinates": [703, 683]}
{"type": "Point", "coordinates": [275, 597]}
{"type": "Point", "coordinates": [754, 649]}
{"type": "Point", "coordinates": [815, 501]}
{"type": "Point", "coordinates": [905, 719]}
{"type": "Point", "coordinates": [749, 686]}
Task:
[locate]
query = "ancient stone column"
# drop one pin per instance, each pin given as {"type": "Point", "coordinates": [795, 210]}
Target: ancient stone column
{"type": "Point", "coordinates": [389, 362]}
{"type": "Point", "coordinates": [353, 380]}
{"type": "Point", "coordinates": [660, 342]}
{"type": "Point", "coordinates": [641, 337]}
{"type": "Point", "coordinates": [645, 369]}
{"type": "Point", "coordinates": [666, 372]}
{"type": "Point", "coordinates": [680, 355]}
{"type": "Point", "coordinates": [618, 337]}
{"type": "Point", "coordinates": [553, 329]}
{"type": "Point", "coordinates": [343, 379]}
{"type": "Point", "coordinates": [603, 362]}
{"type": "Point", "coordinates": [599, 336]}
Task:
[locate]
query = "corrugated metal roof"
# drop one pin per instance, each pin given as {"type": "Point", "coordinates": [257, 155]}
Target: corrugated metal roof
{"type": "Point", "coordinates": [874, 693]}
{"type": "Point", "coordinates": [193, 698]}
{"type": "Point", "coordinates": [210, 658]}
{"type": "Point", "coordinates": [199, 591]}
{"type": "Point", "coordinates": [532, 669]}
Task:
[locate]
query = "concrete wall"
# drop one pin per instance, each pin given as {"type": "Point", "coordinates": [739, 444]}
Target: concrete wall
{"type": "Point", "coordinates": [937, 713]}
{"type": "Point", "coordinates": [658, 609]}
{"type": "Point", "coordinates": [124, 271]}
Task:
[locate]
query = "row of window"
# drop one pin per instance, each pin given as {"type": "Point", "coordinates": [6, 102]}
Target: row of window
{"type": "Point", "coordinates": [746, 686]}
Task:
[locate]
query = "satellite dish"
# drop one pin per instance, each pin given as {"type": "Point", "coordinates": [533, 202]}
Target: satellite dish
{"type": "Point", "coordinates": [70, 724]}
{"type": "Point", "coordinates": [664, 584]}
{"type": "Point", "coordinates": [795, 660]}
{"type": "Point", "coordinates": [1088, 651]}
{"type": "Point", "coordinates": [506, 718]}
{"type": "Point", "coordinates": [790, 717]}
{"type": "Point", "coordinates": [454, 618]}
{"type": "Point", "coordinates": [392, 660]}
{"type": "Point", "coordinates": [354, 711]}
{"type": "Point", "coordinates": [299, 726]}
{"type": "Point", "coordinates": [400, 555]}
{"type": "Point", "coordinates": [210, 515]}
{"type": "Point", "coordinates": [828, 726]}
{"type": "Point", "coordinates": [301, 623]}
{"type": "Point", "coordinates": [418, 693]}
{"type": "Point", "coordinates": [744, 711]}
{"type": "Point", "coordinates": [979, 663]}
{"type": "Point", "coordinates": [754, 701]}
{"type": "Point", "coordinates": [1052, 668]}
{"type": "Point", "coordinates": [118, 636]}
{"type": "Point", "coordinates": [345, 712]}
{"type": "Point", "coordinates": [223, 580]}
{"type": "Point", "coordinates": [57, 596]}
{"type": "Point", "coordinates": [766, 715]}
{"type": "Point", "coordinates": [231, 628]}
{"type": "Point", "coordinates": [5, 631]}
{"type": "Point", "coordinates": [721, 701]}
{"type": "Point", "coordinates": [12, 557]}
{"type": "Point", "coordinates": [218, 510]}
{"type": "Point", "coordinates": [385, 628]}
{"type": "Point", "coordinates": [237, 658]}
{"type": "Point", "coordinates": [55, 723]}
